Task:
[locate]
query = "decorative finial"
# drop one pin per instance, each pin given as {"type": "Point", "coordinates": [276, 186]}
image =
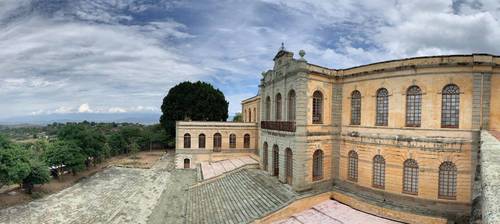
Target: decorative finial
{"type": "Point", "coordinates": [282, 46]}
{"type": "Point", "coordinates": [302, 53]}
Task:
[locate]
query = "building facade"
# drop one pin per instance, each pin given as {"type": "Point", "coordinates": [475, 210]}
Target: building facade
{"type": "Point", "coordinates": [402, 132]}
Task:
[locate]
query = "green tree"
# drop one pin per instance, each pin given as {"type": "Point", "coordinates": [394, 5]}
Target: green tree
{"type": "Point", "coordinates": [4, 142]}
{"type": "Point", "coordinates": [14, 164]}
{"type": "Point", "coordinates": [238, 118]}
{"type": "Point", "coordinates": [197, 101]}
{"type": "Point", "coordinates": [65, 153]}
{"type": "Point", "coordinates": [89, 140]}
{"type": "Point", "coordinates": [117, 143]}
{"type": "Point", "coordinates": [39, 174]}
{"type": "Point", "coordinates": [134, 149]}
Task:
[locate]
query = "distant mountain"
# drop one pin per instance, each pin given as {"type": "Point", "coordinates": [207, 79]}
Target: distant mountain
{"type": "Point", "coordinates": [142, 118]}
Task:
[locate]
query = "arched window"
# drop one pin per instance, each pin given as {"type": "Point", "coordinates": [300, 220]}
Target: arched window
{"type": "Point", "coordinates": [278, 107]}
{"type": "Point", "coordinates": [249, 115]}
{"type": "Point", "coordinates": [187, 141]}
{"type": "Point", "coordinates": [276, 164]}
{"type": "Point", "coordinates": [318, 165]}
{"type": "Point", "coordinates": [264, 156]}
{"type": "Point", "coordinates": [447, 180]}
{"type": "Point", "coordinates": [187, 163]}
{"type": "Point", "coordinates": [382, 107]}
{"type": "Point", "coordinates": [201, 141]}
{"type": "Point", "coordinates": [413, 106]}
{"type": "Point", "coordinates": [254, 115]}
{"type": "Point", "coordinates": [317, 110]}
{"type": "Point", "coordinates": [410, 176]}
{"type": "Point", "coordinates": [246, 141]}
{"type": "Point", "coordinates": [289, 165]}
{"type": "Point", "coordinates": [353, 166]}
{"type": "Point", "coordinates": [232, 141]}
{"type": "Point", "coordinates": [355, 108]}
{"type": "Point", "coordinates": [268, 108]}
{"type": "Point", "coordinates": [450, 108]}
{"type": "Point", "coordinates": [291, 105]}
{"type": "Point", "coordinates": [379, 172]}
{"type": "Point", "coordinates": [217, 141]}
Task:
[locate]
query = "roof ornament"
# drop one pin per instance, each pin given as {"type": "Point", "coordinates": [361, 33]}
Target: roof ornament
{"type": "Point", "coordinates": [302, 53]}
{"type": "Point", "coordinates": [282, 48]}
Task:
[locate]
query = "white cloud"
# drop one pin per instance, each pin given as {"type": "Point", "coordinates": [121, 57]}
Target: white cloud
{"type": "Point", "coordinates": [64, 110]}
{"type": "Point", "coordinates": [124, 55]}
{"type": "Point", "coordinates": [84, 108]}
{"type": "Point", "coordinates": [116, 110]}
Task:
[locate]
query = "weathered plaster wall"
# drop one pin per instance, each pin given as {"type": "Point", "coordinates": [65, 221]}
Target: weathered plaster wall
{"type": "Point", "coordinates": [495, 102]}
{"type": "Point", "coordinates": [490, 178]}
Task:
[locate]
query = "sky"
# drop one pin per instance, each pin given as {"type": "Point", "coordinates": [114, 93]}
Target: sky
{"type": "Point", "coordinates": [122, 56]}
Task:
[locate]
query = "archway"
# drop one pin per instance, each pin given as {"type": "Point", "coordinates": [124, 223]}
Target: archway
{"type": "Point", "coordinates": [289, 166]}
{"type": "Point", "coordinates": [276, 169]}
{"type": "Point", "coordinates": [187, 163]}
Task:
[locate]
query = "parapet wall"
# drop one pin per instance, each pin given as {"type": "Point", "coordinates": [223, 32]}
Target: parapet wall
{"type": "Point", "coordinates": [490, 177]}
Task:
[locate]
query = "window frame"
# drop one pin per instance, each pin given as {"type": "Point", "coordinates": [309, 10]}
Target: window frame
{"type": "Point", "coordinates": [217, 141]}
{"type": "Point", "coordinates": [268, 108]}
{"type": "Point", "coordinates": [355, 108]}
{"type": "Point", "coordinates": [291, 105]}
{"type": "Point", "coordinates": [450, 106]}
{"type": "Point", "coordinates": [246, 141]}
{"type": "Point", "coordinates": [187, 141]}
{"type": "Point", "coordinates": [378, 172]}
{"type": "Point", "coordinates": [279, 107]}
{"type": "Point", "coordinates": [352, 166]}
{"type": "Point", "coordinates": [204, 145]}
{"type": "Point", "coordinates": [318, 159]}
{"type": "Point", "coordinates": [317, 107]}
{"type": "Point", "coordinates": [447, 182]}
{"type": "Point", "coordinates": [382, 107]}
{"type": "Point", "coordinates": [232, 141]}
{"type": "Point", "coordinates": [410, 177]}
{"type": "Point", "coordinates": [413, 115]}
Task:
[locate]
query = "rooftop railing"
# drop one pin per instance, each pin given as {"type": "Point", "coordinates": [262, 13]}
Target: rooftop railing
{"type": "Point", "coordinates": [278, 125]}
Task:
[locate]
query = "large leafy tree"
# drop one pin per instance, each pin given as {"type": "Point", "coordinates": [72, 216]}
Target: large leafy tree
{"type": "Point", "coordinates": [65, 153]}
{"type": "Point", "coordinates": [14, 164]}
{"type": "Point", "coordinates": [197, 101]}
{"type": "Point", "coordinates": [39, 174]}
{"type": "Point", "coordinates": [88, 139]}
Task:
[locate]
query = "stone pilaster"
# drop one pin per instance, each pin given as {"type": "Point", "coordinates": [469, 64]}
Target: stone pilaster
{"type": "Point", "coordinates": [337, 127]}
{"type": "Point", "coordinates": [299, 165]}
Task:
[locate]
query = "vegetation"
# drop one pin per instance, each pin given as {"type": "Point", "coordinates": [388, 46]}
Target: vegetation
{"type": "Point", "coordinates": [197, 101]}
{"type": "Point", "coordinates": [70, 147]}
{"type": "Point", "coordinates": [29, 154]}
{"type": "Point", "coordinates": [238, 118]}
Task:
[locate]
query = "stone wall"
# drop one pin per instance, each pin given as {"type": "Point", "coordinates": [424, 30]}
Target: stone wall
{"type": "Point", "coordinates": [195, 128]}
{"type": "Point", "coordinates": [495, 102]}
{"type": "Point", "coordinates": [490, 178]}
{"type": "Point", "coordinates": [250, 109]}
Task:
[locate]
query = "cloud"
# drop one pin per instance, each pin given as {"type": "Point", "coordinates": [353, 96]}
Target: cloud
{"type": "Point", "coordinates": [84, 108]}
{"type": "Point", "coordinates": [124, 55]}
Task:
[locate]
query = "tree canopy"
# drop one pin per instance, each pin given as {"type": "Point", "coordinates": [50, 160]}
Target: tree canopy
{"type": "Point", "coordinates": [65, 153]}
{"type": "Point", "coordinates": [197, 101]}
{"type": "Point", "coordinates": [14, 164]}
{"type": "Point", "coordinates": [238, 117]}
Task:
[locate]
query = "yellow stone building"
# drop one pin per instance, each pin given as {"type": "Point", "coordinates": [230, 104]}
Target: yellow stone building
{"type": "Point", "coordinates": [402, 135]}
